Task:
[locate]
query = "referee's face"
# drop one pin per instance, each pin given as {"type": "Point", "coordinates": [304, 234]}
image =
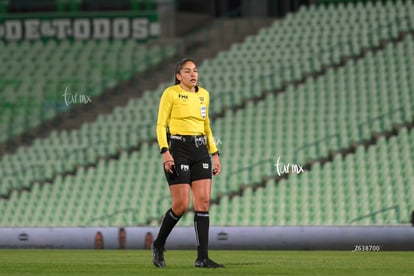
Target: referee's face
{"type": "Point", "coordinates": [188, 76]}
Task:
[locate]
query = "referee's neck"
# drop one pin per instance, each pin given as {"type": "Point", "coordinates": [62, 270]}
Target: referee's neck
{"type": "Point", "coordinates": [189, 89]}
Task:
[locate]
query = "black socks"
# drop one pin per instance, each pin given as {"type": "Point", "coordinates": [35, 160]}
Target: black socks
{"type": "Point", "coordinates": [168, 222]}
{"type": "Point", "coordinates": [202, 225]}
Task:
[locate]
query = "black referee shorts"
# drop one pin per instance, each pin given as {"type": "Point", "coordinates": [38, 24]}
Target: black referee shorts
{"type": "Point", "coordinates": [191, 158]}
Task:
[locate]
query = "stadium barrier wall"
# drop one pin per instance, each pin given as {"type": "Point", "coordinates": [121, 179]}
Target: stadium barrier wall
{"type": "Point", "coordinates": [352, 238]}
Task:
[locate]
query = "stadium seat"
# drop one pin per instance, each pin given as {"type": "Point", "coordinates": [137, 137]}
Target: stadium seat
{"type": "Point", "coordinates": [303, 123]}
{"type": "Point", "coordinates": [46, 69]}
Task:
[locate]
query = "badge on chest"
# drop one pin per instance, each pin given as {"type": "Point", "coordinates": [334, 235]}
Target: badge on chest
{"type": "Point", "coordinates": [203, 110]}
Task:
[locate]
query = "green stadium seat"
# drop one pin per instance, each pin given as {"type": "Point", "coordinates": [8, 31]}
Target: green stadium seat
{"type": "Point", "coordinates": [52, 67]}
{"type": "Point", "coordinates": [348, 103]}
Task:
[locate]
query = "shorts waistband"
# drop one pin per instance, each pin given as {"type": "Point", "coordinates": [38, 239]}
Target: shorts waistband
{"type": "Point", "coordinates": [189, 138]}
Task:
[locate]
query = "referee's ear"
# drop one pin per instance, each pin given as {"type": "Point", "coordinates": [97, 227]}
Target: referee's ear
{"type": "Point", "coordinates": [177, 72]}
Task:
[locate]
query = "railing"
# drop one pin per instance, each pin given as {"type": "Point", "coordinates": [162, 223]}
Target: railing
{"type": "Point", "coordinates": [372, 216]}
{"type": "Point", "coordinates": [249, 169]}
{"type": "Point", "coordinates": [380, 118]}
{"type": "Point", "coordinates": [337, 139]}
{"type": "Point", "coordinates": [329, 52]}
{"type": "Point", "coordinates": [110, 218]}
{"type": "Point", "coordinates": [318, 145]}
{"type": "Point", "coordinates": [39, 170]}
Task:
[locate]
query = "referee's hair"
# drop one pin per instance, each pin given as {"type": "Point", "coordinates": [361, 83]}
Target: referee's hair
{"type": "Point", "coordinates": [179, 66]}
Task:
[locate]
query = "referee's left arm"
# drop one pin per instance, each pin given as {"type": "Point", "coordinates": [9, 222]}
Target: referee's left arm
{"type": "Point", "coordinates": [211, 144]}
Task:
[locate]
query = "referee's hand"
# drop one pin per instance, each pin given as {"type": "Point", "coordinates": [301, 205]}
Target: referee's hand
{"type": "Point", "coordinates": [216, 165]}
{"type": "Point", "coordinates": [168, 161]}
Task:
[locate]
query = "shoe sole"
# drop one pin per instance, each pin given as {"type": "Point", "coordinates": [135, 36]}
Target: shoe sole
{"type": "Point", "coordinates": [158, 265]}
{"type": "Point", "coordinates": [219, 266]}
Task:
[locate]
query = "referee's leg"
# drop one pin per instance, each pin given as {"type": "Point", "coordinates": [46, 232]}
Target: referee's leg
{"type": "Point", "coordinates": [180, 195]}
{"type": "Point", "coordinates": [201, 199]}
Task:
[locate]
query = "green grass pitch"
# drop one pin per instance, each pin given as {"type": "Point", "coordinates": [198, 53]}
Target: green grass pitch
{"type": "Point", "coordinates": [180, 262]}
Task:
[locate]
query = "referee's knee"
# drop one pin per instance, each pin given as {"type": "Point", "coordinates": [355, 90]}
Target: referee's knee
{"type": "Point", "coordinates": [180, 208]}
{"type": "Point", "coordinates": [201, 205]}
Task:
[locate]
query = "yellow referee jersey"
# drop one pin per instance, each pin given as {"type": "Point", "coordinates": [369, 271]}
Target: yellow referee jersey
{"type": "Point", "coordinates": [185, 113]}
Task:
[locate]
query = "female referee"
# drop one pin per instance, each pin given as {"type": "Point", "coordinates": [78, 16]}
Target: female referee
{"type": "Point", "coordinates": [183, 110]}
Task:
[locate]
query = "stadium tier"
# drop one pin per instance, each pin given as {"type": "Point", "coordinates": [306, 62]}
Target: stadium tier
{"type": "Point", "coordinates": [344, 106]}
{"type": "Point", "coordinates": [37, 75]}
{"type": "Point", "coordinates": [303, 43]}
{"type": "Point", "coordinates": [328, 110]}
{"type": "Point", "coordinates": [99, 140]}
{"type": "Point", "coordinates": [371, 187]}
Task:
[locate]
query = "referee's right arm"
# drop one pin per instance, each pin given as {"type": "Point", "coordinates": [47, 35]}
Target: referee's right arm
{"type": "Point", "coordinates": [164, 112]}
